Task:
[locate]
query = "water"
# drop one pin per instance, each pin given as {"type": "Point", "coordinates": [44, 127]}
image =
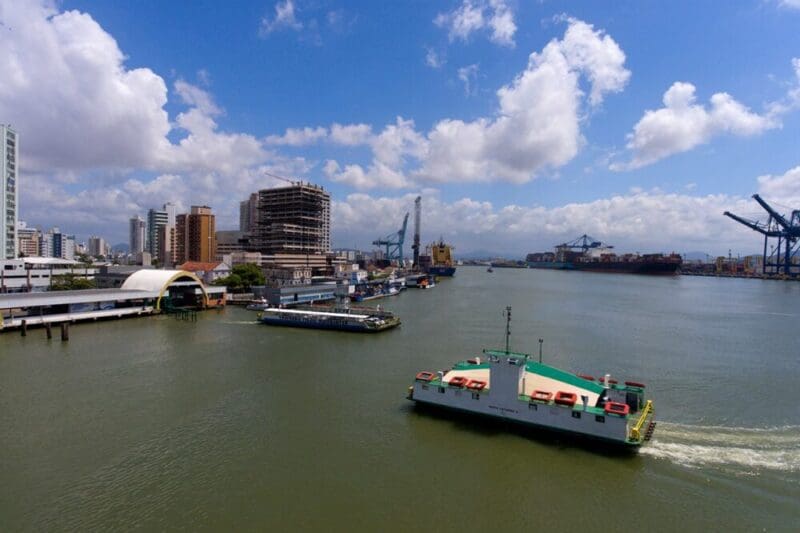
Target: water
{"type": "Point", "coordinates": [224, 424]}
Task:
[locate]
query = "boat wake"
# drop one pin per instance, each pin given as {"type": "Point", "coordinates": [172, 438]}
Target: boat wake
{"type": "Point", "coordinates": [749, 449]}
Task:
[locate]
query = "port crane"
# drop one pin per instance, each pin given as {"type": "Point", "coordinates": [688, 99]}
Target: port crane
{"type": "Point", "coordinates": [582, 243]}
{"type": "Point", "coordinates": [394, 243]}
{"type": "Point", "coordinates": [417, 217]}
{"type": "Point", "coordinates": [786, 231]}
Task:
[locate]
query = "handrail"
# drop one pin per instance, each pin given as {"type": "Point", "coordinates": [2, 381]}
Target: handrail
{"type": "Point", "coordinates": [636, 429]}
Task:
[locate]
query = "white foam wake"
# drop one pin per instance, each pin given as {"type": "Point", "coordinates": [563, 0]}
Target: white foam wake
{"type": "Point", "coordinates": [748, 448]}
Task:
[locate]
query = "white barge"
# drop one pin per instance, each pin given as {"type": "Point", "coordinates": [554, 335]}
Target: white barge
{"type": "Point", "coordinates": [513, 387]}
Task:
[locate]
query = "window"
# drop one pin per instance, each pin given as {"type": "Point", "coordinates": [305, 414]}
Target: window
{"type": "Point", "coordinates": [600, 418]}
{"type": "Point", "coordinates": [441, 389]}
{"type": "Point", "coordinates": [576, 414]}
{"type": "Point", "coordinates": [476, 396]}
{"type": "Point", "coordinates": [424, 387]}
{"type": "Point", "coordinates": [533, 407]}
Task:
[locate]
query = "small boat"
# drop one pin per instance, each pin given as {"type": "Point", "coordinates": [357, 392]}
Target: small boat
{"type": "Point", "coordinates": [510, 386]}
{"type": "Point", "coordinates": [258, 305]}
{"type": "Point", "coordinates": [490, 269]}
{"type": "Point", "coordinates": [363, 320]}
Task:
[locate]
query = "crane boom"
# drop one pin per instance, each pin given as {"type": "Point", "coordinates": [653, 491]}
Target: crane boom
{"type": "Point", "coordinates": [774, 214]}
{"type": "Point", "coordinates": [751, 224]}
{"type": "Point", "coordinates": [417, 220]}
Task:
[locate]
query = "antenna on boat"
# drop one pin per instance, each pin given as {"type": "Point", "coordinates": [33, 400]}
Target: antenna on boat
{"type": "Point", "coordinates": [508, 325]}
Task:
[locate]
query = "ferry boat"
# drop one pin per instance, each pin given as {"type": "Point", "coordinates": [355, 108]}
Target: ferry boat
{"type": "Point", "coordinates": [363, 320]}
{"type": "Point", "coordinates": [514, 387]}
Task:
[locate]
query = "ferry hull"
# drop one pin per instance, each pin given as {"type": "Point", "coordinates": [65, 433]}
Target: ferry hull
{"type": "Point", "coordinates": [553, 419]}
{"type": "Point", "coordinates": [531, 429]}
{"type": "Point", "coordinates": [358, 328]}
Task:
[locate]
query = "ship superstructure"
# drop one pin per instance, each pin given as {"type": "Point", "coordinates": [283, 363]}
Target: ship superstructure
{"type": "Point", "coordinates": [441, 255]}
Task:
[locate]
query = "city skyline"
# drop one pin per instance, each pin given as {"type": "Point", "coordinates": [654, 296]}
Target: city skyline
{"type": "Point", "coordinates": [522, 125]}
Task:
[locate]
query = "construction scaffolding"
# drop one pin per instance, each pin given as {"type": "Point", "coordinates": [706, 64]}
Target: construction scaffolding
{"type": "Point", "coordinates": [293, 220]}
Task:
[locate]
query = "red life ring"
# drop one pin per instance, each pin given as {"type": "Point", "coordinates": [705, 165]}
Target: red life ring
{"type": "Point", "coordinates": [566, 398]}
{"type": "Point", "coordinates": [425, 376]}
{"type": "Point", "coordinates": [476, 385]}
{"type": "Point", "coordinates": [541, 396]}
{"type": "Point", "coordinates": [458, 381]}
{"type": "Point", "coordinates": [614, 408]}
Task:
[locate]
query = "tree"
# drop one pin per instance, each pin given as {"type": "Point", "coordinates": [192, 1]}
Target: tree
{"type": "Point", "coordinates": [70, 282]}
{"type": "Point", "coordinates": [242, 278]}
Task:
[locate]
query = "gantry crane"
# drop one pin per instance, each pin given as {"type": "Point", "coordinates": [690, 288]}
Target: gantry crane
{"type": "Point", "coordinates": [394, 243]}
{"type": "Point", "coordinates": [780, 258]}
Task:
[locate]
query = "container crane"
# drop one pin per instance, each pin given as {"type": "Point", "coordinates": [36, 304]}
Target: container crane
{"type": "Point", "coordinates": [417, 217]}
{"type": "Point", "coordinates": [786, 231]}
{"type": "Point", "coordinates": [394, 243]}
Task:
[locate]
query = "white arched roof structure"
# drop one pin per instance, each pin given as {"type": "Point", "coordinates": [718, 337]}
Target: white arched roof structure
{"type": "Point", "coordinates": [160, 280]}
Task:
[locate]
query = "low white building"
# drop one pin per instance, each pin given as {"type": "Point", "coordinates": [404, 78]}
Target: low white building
{"type": "Point", "coordinates": [32, 274]}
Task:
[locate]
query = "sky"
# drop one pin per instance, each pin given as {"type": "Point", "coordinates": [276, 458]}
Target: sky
{"type": "Point", "coordinates": [522, 123]}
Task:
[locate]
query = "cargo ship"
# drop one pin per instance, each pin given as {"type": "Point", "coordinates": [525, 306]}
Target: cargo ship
{"type": "Point", "coordinates": [441, 259]}
{"type": "Point", "coordinates": [363, 320]}
{"type": "Point", "coordinates": [586, 253]}
{"type": "Point", "coordinates": [513, 387]}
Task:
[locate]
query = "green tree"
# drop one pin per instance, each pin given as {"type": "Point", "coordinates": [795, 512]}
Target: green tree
{"type": "Point", "coordinates": [70, 282]}
{"type": "Point", "coordinates": [242, 278]}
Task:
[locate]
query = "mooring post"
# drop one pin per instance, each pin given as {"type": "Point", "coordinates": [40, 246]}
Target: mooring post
{"type": "Point", "coordinates": [64, 331]}
{"type": "Point", "coordinates": [49, 328]}
{"type": "Point", "coordinates": [24, 328]}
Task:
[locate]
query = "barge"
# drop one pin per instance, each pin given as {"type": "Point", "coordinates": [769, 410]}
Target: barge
{"type": "Point", "coordinates": [511, 386]}
{"type": "Point", "coordinates": [355, 320]}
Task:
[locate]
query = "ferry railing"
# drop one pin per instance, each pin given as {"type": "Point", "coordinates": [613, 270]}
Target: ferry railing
{"type": "Point", "coordinates": [636, 430]}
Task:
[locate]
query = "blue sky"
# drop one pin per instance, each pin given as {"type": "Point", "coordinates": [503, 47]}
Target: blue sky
{"type": "Point", "coordinates": [522, 123]}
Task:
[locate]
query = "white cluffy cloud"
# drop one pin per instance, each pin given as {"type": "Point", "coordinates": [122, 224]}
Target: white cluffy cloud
{"type": "Point", "coordinates": [474, 15]}
{"type": "Point", "coordinates": [284, 18]}
{"type": "Point", "coordinates": [683, 124]}
{"type": "Point", "coordinates": [784, 188]}
{"type": "Point", "coordinates": [536, 126]}
{"type": "Point", "coordinates": [468, 75]}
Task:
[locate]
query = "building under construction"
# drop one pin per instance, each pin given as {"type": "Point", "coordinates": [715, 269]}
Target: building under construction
{"type": "Point", "coordinates": [293, 220]}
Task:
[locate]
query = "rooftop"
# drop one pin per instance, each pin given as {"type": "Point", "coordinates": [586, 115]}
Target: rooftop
{"type": "Point", "coordinates": [39, 299]}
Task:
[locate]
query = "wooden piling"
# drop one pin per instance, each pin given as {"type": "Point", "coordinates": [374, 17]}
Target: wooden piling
{"type": "Point", "coordinates": [24, 328]}
{"type": "Point", "coordinates": [64, 331]}
{"type": "Point", "coordinates": [49, 328]}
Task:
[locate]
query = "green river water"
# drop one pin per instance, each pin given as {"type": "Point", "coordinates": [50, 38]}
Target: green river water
{"type": "Point", "coordinates": [227, 425]}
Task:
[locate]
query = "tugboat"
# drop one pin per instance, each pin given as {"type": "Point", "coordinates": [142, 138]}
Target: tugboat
{"type": "Point", "coordinates": [514, 387]}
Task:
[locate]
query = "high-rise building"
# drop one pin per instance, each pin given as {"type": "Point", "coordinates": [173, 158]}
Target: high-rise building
{"type": "Point", "coordinates": [96, 246]}
{"type": "Point", "coordinates": [28, 240]}
{"type": "Point", "coordinates": [9, 192]}
{"type": "Point", "coordinates": [294, 219]}
{"type": "Point", "coordinates": [54, 243]}
{"type": "Point", "coordinates": [137, 235]}
{"type": "Point", "coordinates": [166, 245]}
{"type": "Point", "coordinates": [155, 220]}
{"type": "Point", "coordinates": [195, 236]}
{"type": "Point", "coordinates": [172, 211]}
{"type": "Point", "coordinates": [248, 213]}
